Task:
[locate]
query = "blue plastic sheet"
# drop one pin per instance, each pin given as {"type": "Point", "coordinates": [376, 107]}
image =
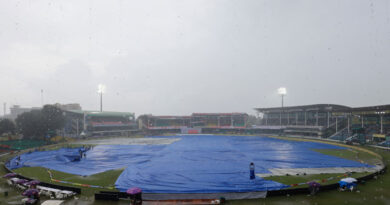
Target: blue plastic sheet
{"type": "Point", "coordinates": [195, 164]}
{"type": "Point", "coordinates": [347, 185]}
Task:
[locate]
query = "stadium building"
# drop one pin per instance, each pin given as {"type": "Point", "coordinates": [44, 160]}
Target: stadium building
{"type": "Point", "coordinates": [78, 122]}
{"type": "Point", "coordinates": [195, 123]}
{"type": "Point", "coordinates": [326, 120]}
{"type": "Point", "coordinates": [373, 121]}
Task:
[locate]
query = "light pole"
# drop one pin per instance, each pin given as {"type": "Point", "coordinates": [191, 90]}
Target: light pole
{"type": "Point", "coordinates": [381, 119]}
{"type": "Point", "coordinates": [282, 92]}
{"type": "Point", "coordinates": [101, 90]}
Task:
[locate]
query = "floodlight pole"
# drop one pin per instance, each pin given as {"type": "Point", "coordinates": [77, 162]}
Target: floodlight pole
{"type": "Point", "coordinates": [84, 123]}
{"type": "Point", "coordinates": [77, 129]}
{"type": "Point", "coordinates": [101, 101]}
{"type": "Point", "coordinates": [101, 89]}
{"type": "Point", "coordinates": [282, 92]}
{"type": "Point", "coordinates": [348, 119]}
{"type": "Point", "coordinates": [281, 111]}
{"type": "Point", "coordinates": [381, 123]}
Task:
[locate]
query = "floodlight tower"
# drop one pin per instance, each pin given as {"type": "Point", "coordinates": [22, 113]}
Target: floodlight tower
{"type": "Point", "coordinates": [282, 92]}
{"type": "Point", "coordinates": [101, 90]}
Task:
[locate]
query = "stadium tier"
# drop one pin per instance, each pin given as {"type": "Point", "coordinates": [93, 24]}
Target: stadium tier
{"type": "Point", "coordinates": [164, 122]}
{"type": "Point", "coordinates": [306, 115]}
{"type": "Point", "coordinates": [219, 120]}
{"type": "Point", "coordinates": [196, 120]}
{"type": "Point", "coordinates": [101, 123]}
{"type": "Point", "coordinates": [327, 120]}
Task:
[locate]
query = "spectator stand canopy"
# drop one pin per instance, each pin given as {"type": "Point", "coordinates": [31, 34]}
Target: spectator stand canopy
{"type": "Point", "coordinates": [321, 118]}
{"type": "Point", "coordinates": [373, 121]}
{"type": "Point", "coordinates": [303, 120]}
{"type": "Point", "coordinates": [314, 115]}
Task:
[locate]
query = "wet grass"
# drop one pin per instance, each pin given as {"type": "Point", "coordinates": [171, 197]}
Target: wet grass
{"type": "Point", "coordinates": [105, 179]}
{"type": "Point", "coordinates": [289, 180]}
{"type": "Point", "coordinates": [375, 191]}
{"type": "Point", "coordinates": [8, 194]}
{"type": "Point", "coordinates": [351, 154]}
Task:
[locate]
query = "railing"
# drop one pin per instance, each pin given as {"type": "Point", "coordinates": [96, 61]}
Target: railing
{"type": "Point", "coordinates": [337, 133]}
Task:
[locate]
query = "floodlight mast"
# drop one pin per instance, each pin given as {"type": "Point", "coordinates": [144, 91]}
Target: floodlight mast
{"type": "Point", "coordinates": [282, 91]}
{"type": "Point", "coordinates": [101, 102]}
{"type": "Point", "coordinates": [101, 90]}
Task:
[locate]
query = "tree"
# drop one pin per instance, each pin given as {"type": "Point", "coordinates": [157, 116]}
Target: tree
{"type": "Point", "coordinates": [39, 123]}
{"type": "Point", "coordinates": [7, 126]}
{"type": "Point", "coordinates": [53, 117]}
{"type": "Point", "coordinates": [253, 120]}
{"type": "Point", "coordinates": [31, 124]}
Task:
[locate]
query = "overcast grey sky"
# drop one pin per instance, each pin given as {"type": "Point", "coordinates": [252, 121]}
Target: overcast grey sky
{"type": "Point", "coordinates": [179, 57]}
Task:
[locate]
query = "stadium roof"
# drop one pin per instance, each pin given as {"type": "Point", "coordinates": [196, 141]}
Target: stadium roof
{"type": "Point", "coordinates": [314, 107]}
{"type": "Point", "coordinates": [193, 114]}
{"type": "Point", "coordinates": [218, 114]}
{"type": "Point", "coordinates": [168, 117]}
{"type": "Point", "coordinates": [102, 114]}
{"type": "Point", "coordinates": [369, 110]}
{"type": "Point", "coordinates": [372, 108]}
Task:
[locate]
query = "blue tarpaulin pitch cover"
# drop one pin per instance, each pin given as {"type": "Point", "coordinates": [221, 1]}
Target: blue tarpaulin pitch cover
{"type": "Point", "coordinates": [194, 164]}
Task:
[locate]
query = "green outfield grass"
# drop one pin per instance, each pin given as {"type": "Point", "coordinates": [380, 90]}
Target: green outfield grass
{"type": "Point", "coordinates": [105, 179]}
{"type": "Point", "coordinates": [351, 154]}
{"type": "Point", "coordinates": [375, 191]}
{"type": "Point", "coordinates": [288, 180]}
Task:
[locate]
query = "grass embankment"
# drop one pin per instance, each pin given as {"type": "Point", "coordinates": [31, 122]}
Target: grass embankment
{"type": "Point", "coordinates": [289, 180]}
{"type": "Point", "coordinates": [375, 191]}
{"type": "Point", "coordinates": [351, 154]}
{"type": "Point", "coordinates": [105, 179]}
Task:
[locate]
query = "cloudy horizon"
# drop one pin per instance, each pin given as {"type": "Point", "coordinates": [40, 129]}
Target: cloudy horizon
{"type": "Point", "coordinates": [179, 57]}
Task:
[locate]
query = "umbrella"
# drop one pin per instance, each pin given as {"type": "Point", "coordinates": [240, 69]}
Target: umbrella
{"type": "Point", "coordinates": [30, 192]}
{"type": "Point", "coordinates": [33, 182]}
{"type": "Point", "coordinates": [134, 190]}
{"type": "Point", "coordinates": [21, 181]}
{"type": "Point", "coordinates": [349, 180]}
{"type": "Point", "coordinates": [10, 175]}
{"type": "Point", "coordinates": [313, 184]}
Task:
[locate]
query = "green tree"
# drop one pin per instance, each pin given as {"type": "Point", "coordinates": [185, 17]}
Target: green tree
{"type": "Point", "coordinates": [31, 124]}
{"type": "Point", "coordinates": [53, 118]}
{"type": "Point", "coordinates": [7, 126]}
{"type": "Point", "coordinates": [39, 123]}
{"type": "Point", "coordinates": [253, 120]}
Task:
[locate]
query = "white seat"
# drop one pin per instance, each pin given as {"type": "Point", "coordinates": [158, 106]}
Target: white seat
{"type": "Point", "coordinates": [50, 192]}
{"type": "Point", "coordinates": [13, 180]}
{"type": "Point", "coordinates": [55, 193]}
{"type": "Point", "coordinates": [67, 193]}
{"type": "Point", "coordinates": [60, 195]}
{"type": "Point", "coordinates": [21, 187]}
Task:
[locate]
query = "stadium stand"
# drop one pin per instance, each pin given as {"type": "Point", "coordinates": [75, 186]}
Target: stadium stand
{"type": "Point", "coordinates": [331, 121]}
{"type": "Point", "coordinates": [203, 122]}
{"type": "Point", "coordinates": [98, 123]}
